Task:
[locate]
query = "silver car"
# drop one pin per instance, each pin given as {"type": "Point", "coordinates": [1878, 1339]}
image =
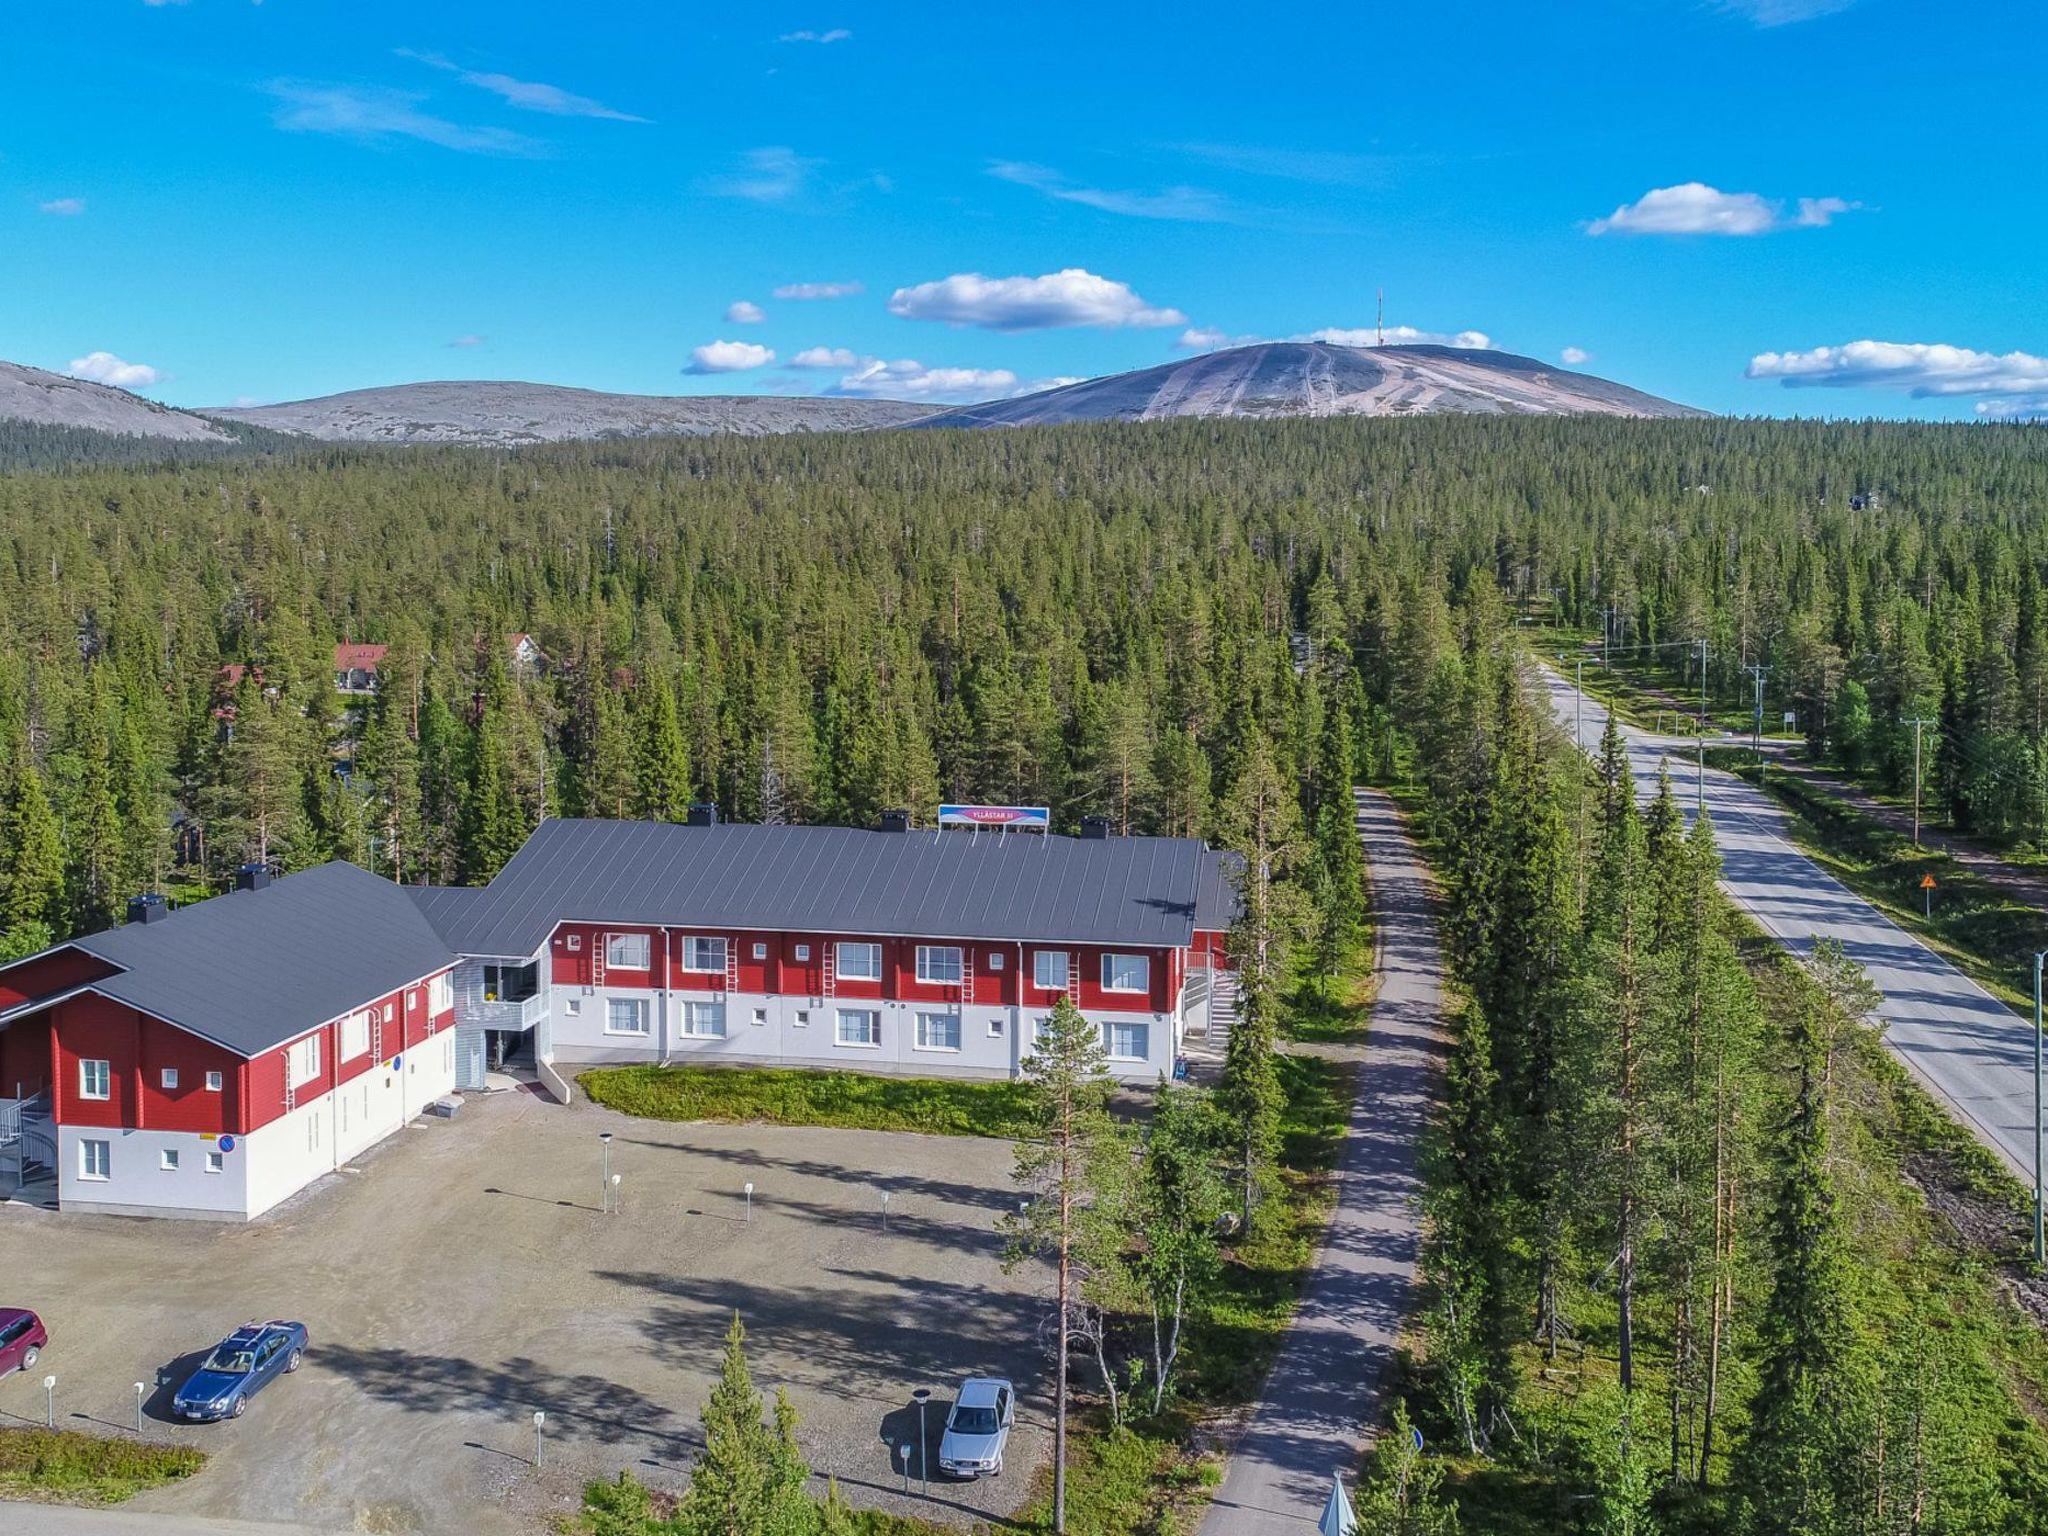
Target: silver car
{"type": "Point", "coordinates": [978, 1428]}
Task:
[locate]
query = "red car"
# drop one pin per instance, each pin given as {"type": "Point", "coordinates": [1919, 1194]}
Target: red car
{"type": "Point", "coordinates": [22, 1339]}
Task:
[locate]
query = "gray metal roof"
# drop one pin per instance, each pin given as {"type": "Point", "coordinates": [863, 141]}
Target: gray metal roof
{"type": "Point", "coordinates": [1216, 899]}
{"type": "Point", "coordinates": [253, 969]}
{"type": "Point", "coordinates": [955, 885]}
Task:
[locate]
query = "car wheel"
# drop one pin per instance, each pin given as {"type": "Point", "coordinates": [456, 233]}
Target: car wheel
{"type": "Point", "coordinates": [28, 1360]}
{"type": "Point", "coordinates": [241, 1405]}
{"type": "Point", "coordinates": [293, 1360]}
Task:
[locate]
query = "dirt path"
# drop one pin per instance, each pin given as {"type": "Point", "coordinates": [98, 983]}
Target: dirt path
{"type": "Point", "coordinates": [1312, 1417]}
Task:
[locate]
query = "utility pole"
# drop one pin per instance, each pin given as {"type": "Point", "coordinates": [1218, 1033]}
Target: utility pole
{"type": "Point", "coordinates": [1917, 723]}
{"type": "Point", "coordinates": [2040, 1246]}
{"type": "Point", "coordinates": [1700, 771]}
{"type": "Point", "coordinates": [1759, 671]}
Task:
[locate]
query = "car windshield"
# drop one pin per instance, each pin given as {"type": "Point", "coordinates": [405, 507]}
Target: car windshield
{"type": "Point", "coordinates": [231, 1362]}
{"type": "Point", "coordinates": [974, 1421]}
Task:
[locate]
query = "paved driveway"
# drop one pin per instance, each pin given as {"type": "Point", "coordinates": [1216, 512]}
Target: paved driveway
{"type": "Point", "coordinates": [463, 1277]}
{"type": "Point", "coordinates": [1969, 1048]}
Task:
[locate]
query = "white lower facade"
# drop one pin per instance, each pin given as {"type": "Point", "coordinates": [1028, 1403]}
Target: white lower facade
{"type": "Point", "coordinates": [590, 1026]}
{"type": "Point", "coordinates": [235, 1178]}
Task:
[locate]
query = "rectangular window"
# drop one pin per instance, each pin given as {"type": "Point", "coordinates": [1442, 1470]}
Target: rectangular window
{"type": "Point", "coordinates": [440, 993]}
{"type": "Point", "coordinates": [704, 1021]}
{"type": "Point", "coordinates": [169, 1078]}
{"type": "Point", "coordinates": [387, 1013]}
{"type": "Point", "coordinates": [760, 1016]}
{"type": "Point", "coordinates": [625, 1016]}
{"type": "Point", "coordinates": [938, 1031]}
{"type": "Point", "coordinates": [938, 963]}
{"type": "Point", "coordinates": [802, 1018]}
{"type": "Point", "coordinates": [1126, 973]}
{"type": "Point", "coordinates": [995, 960]}
{"type": "Point", "coordinates": [760, 951]}
{"type": "Point", "coordinates": [213, 1082]}
{"type": "Point", "coordinates": [1125, 1042]}
{"type": "Point", "coordinates": [302, 1062]}
{"type": "Point", "coordinates": [95, 1160]}
{"type": "Point", "coordinates": [995, 1027]}
{"type": "Point", "coordinates": [215, 1162]}
{"type": "Point", "coordinates": [704, 954]}
{"type": "Point", "coordinates": [803, 952]}
{"type": "Point", "coordinates": [859, 1026]}
{"type": "Point", "coordinates": [1049, 969]}
{"type": "Point", "coordinates": [626, 951]}
{"type": "Point", "coordinates": [95, 1079]}
{"type": "Point", "coordinates": [168, 1160]}
{"type": "Point", "coordinates": [860, 962]}
{"type": "Point", "coordinates": [355, 1036]}
{"type": "Point", "coordinates": [510, 983]}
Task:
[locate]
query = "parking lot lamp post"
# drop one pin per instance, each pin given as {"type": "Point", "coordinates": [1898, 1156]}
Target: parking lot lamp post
{"type": "Point", "coordinates": [49, 1402]}
{"type": "Point", "coordinates": [923, 1395]}
{"type": "Point", "coordinates": [604, 1188]}
{"type": "Point", "coordinates": [141, 1391]}
{"type": "Point", "coordinates": [539, 1418]}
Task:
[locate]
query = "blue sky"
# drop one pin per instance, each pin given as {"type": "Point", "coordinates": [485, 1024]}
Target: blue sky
{"type": "Point", "coordinates": [1758, 206]}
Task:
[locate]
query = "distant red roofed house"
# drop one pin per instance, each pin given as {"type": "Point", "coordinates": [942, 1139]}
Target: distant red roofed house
{"type": "Point", "coordinates": [355, 667]}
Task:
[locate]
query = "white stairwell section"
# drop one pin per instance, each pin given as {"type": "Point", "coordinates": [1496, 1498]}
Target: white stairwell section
{"type": "Point", "coordinates": [28, 1142]}
{"type": "Point", "coordinates": [1208, 1004]}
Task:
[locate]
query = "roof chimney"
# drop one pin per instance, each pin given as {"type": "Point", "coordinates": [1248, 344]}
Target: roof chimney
{"type": "Point", "coordinates": [895, 821]}
{"type": "Point", "coordinates": [149, 907]}
{"type": "Point", "coordinates": [1094, 828]}
{"type": "Point", "coordinates": [252, 877]}
{"type": "Point", "coordinates": [703, 814]}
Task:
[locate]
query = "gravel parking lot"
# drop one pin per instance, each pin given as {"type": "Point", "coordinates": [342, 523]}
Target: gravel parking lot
{"type": "Point", "coordinates": [463, 1276]}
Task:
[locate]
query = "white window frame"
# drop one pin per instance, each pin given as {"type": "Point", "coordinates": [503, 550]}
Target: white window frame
{"type": "Point", "coordinates": [1109, 1033]}
{"type": "Point", "coordinates": [995, 960]}
{"type": "Point", "coordinates": [946, 1027]}
{"type": "Point", "coordinates": [698, 1019]}
{"type": "Point", "coordinates": [873, 1042]}
{"type": "Point", "coordinates": [803, 954]}
{"type": "Point", "coordinates": [214, 1082]}
{"type": "Point", "coordinates": [355, 1036]}
{"type": "Point", "coordinates": [92, 1070]}
{"type": "Point", "coordinates": [167, 1159]}
{"type": "Point", "coordinates": [697, 950]}
{"type": "Point", "coordinates": [616, 944]}
{"type": "Point", "coordinates": [440, 993]}
{"type": "Point", "coordinates": [87, 1160]}
{"type": "Point", "coordinates": [167, 1079]}
{"type": "Point", "coordinates": [1144, 963]}
{"type": "Point", "coordinates": [638, 1008]}
{"type": "Point", "coordinates": [216, 1161]}
{"type": "Point", "coordinates": [302, 1062]}
{"type": "Point", "coordinates": [1039, 957]}
{"type": "Point", "coordinates": [847, 950]}
{"type": "Point", "coordinates": [760, 951]}
{"type": "Point", "coordinates": [801, 1019]}
{"type": "Point", "coordinates": [928, 954]}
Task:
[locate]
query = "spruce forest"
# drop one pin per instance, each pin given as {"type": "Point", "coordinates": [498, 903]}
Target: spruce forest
{"type": "Point", "coordinates": [1682, 1269]}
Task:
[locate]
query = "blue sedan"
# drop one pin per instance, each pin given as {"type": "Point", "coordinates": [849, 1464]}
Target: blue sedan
{"type": "Point", "coordinates": [244, 1363]}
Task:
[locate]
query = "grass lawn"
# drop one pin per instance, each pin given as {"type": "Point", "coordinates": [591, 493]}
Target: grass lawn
{"type": "Point", "coordinates": [64, 1466]}
{"type": "Point", "coordinates": [783, 1096]}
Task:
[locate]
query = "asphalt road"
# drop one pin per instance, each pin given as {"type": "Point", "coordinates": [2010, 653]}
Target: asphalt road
{"type": "Point", "coordinates": [1311, 1419]}
{"type": "Point", "coordinates": [58, 1520]}
{"type": "Point", "coordinates": [1967, 1047]}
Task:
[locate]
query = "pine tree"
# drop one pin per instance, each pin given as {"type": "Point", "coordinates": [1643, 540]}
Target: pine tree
{"type": "Point", "coordinates": [664, 778]}
{"type": "Point", "coordinates": [750, 1479]}
{"type": "Point", "coordinates": [1401, 1493]}
{"type": "Point", "coordinates": [31, 853]}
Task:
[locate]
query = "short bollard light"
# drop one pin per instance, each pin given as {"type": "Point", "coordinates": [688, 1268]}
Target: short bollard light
{"type": "Point", "coordinates": [885, 1210]}
{"type": "Point", "coordinates": [903, 1461]}
{"type": "Point", "coordinates": [49, 1402]}
{"type": "Point", "coordinates": [141, 1391]}
{"type": "Point", "coordinates": [615, 1193]}
{"type": "Point", "coordinates": [539, 1418]}
{"type": "Point", "coordinates": [750, 1200]}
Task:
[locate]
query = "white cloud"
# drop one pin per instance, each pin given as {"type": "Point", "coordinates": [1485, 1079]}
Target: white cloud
{"type": "Point", "coordinates": [373, 112]}
{"type": "Point", "coordinates": [1922, 369]}
{"type": "Point", "coordinates": [1210, 338]}
{"type": "Point", "coordinates": [1398, 336]}
{"type": "Point", "coordinates": [833, 35]}
{"type": "Point", "coordinates": [818, 290]}
{"type": "Point", "coordinates": [1694, 208]}
{"type": "Point", "coordinates": [63, 207]}
{"type": "Point", "coordinates": [106, 368]}
{"type": "Point", "coordinates": [908, 379]}
{"type": "Point", "coordinates": [1573, 356]}
{"type": "Point", "coordinates": [470, 339]}
{"type": "Point", "coordinates": [527, 95]}
{"type": "Point", "coordinates": [1069, 297]}
{"type": "Point", "coordinates": [826, 357]}
{"type": "Point", "coordinates": [744, 312]}
{"type": "Point", "coordinates": [729, 357]}
{"type": "Point", "coordinates": [774, 173]}
{"type": "Point", "coordinates": [1193, 205]}
{"type": "Point", "coordinates": [2019, 408]}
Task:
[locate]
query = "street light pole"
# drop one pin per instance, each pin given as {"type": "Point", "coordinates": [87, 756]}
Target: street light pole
{"type": "Point", "coordinates": [604, 1183]}
{"type": "Point", "coordinates": [923, 1395]}
{"type": "Point", "coordinates": [1700, 770]}
{"type": "Point", "coordinates": [2040, 1246]}
{"type": "Point", "coordinates": [1917, 723]}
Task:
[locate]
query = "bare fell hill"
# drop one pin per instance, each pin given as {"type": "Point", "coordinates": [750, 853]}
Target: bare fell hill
{"type": "Point", "coordinates": [58, 400]}
{"type": "Point", "coordinates": [511, 414]}
{"type": "Point", "coordinates": [1314, 378]}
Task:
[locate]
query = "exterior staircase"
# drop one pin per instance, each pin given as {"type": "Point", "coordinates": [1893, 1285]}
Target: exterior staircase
{"type": "Point", "coordinates": [1210, 996]}
{"type": "Point", "coordinates": [28, 1143]}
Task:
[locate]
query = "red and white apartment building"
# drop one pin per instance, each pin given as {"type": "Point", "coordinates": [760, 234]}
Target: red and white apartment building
{"type": "Point", "coordinates": [212, 1061]}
